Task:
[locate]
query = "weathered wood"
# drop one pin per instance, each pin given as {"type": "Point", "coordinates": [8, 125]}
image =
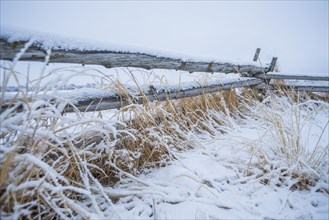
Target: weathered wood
{"type": "Point", "coordinates": [111, 59]}
{"type": "Point", "coordinates": [116, 102]}
{"type": "Point", "coordinates": [273, 64]}
{"type": "Point", "coordinates": [256, 54]}
{"type": "Point", "coordinates": [278, 75]}
{"type": "Point", "coordinates": [304, 88]}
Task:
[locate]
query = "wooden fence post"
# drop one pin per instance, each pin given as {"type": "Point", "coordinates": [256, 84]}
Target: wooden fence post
{"type": "Point", "coordinates": [256, 54]}
{"type": "Point", "coordinates": [273, 63]}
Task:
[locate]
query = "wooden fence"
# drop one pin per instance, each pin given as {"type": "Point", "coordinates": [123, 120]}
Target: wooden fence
{"type": "Point", "coordinates": [252, 76]}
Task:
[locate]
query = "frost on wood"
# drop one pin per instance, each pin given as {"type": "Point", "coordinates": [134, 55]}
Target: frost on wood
{"type": "Point", "coordinates": [118, 58]}
{"type": "Point", "coordinates": [113, 102]}
{"type": "Point", "coordinates": [98, 100]}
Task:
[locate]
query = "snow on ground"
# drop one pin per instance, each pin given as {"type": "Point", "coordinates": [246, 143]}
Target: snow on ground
{"type": "Point", "coordinates": [207, 183]}
{"type": "Point", "coordinates": [202, 185]}
{"type": "Point", "coordinates": [210, 181]}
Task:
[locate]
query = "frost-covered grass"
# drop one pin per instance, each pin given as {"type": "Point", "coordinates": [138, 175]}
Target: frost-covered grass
{"type": "Point", "coordinates": [292, 145]}
{"type": "Point", "coordinates": [214, 156]}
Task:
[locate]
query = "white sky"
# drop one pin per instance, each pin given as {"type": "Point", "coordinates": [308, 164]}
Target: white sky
{"type": "Point", "coordinates": [295, 31]}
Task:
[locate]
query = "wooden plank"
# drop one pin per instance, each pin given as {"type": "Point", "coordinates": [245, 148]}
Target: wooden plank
{"type": "Point", "coordinates": [112, 59]}
{"type": "Point", "coordinates": [256, 54]}
{"type": "Point", "coordinates": [304, 88]}
{"type": "Point", "coordinates": [273, 64]}
{"type": "Point", "coordinates": [278, 75]}
{"type": "Point", "coordinates": [115, 102]}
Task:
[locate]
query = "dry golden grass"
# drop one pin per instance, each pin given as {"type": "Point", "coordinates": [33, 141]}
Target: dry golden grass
{"type": "Point", "coordinates": [160, 125]}
{"type": "Point", "coordinates": [51, 162]}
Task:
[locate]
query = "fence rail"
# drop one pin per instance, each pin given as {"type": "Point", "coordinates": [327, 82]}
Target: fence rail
{"type": "Point", "coordinates": [112, 59]}
{"type": "Point", "coordinates": [116, 102]}
{"type": "Point", "coordinates": [278, 75]}
{"type": "Point", "coordinates": [303, 88]}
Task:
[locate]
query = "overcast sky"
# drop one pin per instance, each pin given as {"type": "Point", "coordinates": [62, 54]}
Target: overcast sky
{"type": "Point", "coordinates": [295, 31]}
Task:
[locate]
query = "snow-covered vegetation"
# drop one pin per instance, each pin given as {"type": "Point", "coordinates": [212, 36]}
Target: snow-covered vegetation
{"type": "Point", "coordinates": [232, 154]}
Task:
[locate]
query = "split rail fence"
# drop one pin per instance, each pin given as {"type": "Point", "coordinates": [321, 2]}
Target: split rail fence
{"type": "Point", "coordinates": [251, 75]}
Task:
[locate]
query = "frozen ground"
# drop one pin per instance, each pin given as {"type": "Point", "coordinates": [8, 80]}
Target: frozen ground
{"type": "Point", "coordinates": [210, 182]}
{"type": "Point", "coordinates": [206, 184]}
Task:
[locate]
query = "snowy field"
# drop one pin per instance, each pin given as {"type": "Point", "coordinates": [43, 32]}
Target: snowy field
{"type": "Point", "coordinates": [241, 173]}
{"type": "Point", "coordinates": [238, 154]}
{"type": "Point", "coordinates": [269, 161]}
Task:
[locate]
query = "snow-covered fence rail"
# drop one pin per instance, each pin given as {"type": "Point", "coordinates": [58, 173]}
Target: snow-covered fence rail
{"type": "Point", "coordinates": [313, 82]}
{"type": "Point", "coordinates": [295, 81]}
{"type": "Point", "coordinates": [100, 100]}
{"type": "Point", "coordinates": [115, 102]}
{"type": "Point", "coordinates": [296, 87]}
{"type": "Point", "coordinates": [105, 102]}
{"type": "Point", "coordinates": [116, 58]}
